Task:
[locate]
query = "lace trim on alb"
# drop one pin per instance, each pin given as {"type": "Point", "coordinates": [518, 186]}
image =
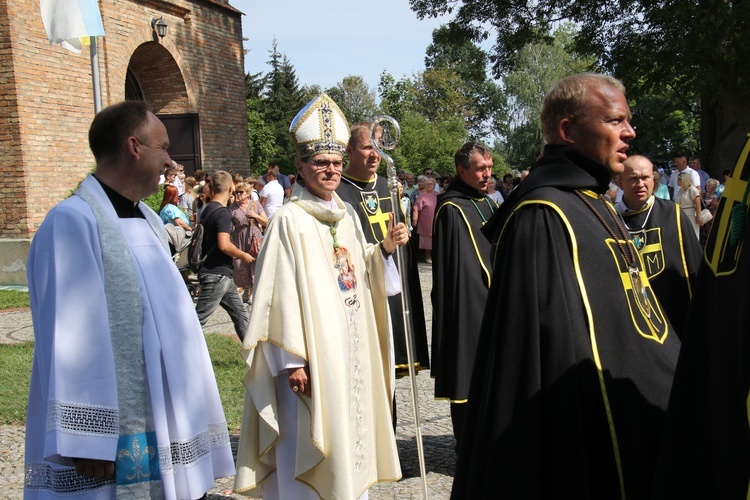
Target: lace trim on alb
{"type": "Point", "coordinates": [82, 419]}
{"type": "Point", "coordinates": [61, 480]}
{"type": "Point", "coordinates": [189, 453]}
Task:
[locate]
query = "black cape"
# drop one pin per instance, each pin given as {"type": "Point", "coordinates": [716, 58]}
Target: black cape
{"type": "Point", "coordinates": [671, 253]}
{"type": "Point", "coordinates": [460, 283]}
{"type": "Point", "coordinates": [573, 371]}
{"type": "Point", "coordinates": [706, 447]}
{"type": "Point", "coordinates": [372, 201]}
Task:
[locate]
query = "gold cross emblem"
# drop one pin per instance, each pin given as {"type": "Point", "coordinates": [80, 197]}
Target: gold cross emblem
{"type": "Point", "coordinates": [720, 256]}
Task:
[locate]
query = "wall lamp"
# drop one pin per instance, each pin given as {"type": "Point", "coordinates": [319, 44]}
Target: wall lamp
{"type": "Point", "coordinates": [159, 26]}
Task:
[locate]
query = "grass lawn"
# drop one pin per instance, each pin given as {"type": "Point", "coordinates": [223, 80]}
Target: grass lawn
{"type": "Point", "coordinates": [15, 372]}
{"type": "Point", "coordinates": [12, 299]}
{"type": "Point", "coordinates": [229, 368]}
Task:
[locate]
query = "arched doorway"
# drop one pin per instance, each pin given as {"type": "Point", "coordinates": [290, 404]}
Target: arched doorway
{"type": "Point", "coordinates": [154, 76]}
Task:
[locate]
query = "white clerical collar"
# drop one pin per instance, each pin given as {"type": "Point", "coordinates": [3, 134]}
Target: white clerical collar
{"type": "Point", "coordinates": [330, 205]}
{"type": "Point", "coordinates": [623, 209]}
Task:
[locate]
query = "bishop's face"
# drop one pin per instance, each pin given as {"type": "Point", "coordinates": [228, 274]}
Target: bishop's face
{"type": "Point", "coordinates": [322, 174]}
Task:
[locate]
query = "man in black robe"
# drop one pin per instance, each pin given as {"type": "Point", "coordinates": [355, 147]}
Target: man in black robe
{"type": "Point", "coordinates": [664, 237]}
{"type": "Point", "coordinates": [460, 276]}
{"type": "Point", "coordinates": [576, 356]}
{"type": "Point", "coordinates": [706, 446]}
{"type": "Point", "coordinates": [368, 193]}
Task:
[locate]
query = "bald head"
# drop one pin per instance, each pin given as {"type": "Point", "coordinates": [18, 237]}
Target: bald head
{"type": "Point", "coordinates": [637, 181]}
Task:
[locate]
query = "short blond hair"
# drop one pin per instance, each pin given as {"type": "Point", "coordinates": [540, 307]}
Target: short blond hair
{"type": "Point", "coordinates": [570, 98]}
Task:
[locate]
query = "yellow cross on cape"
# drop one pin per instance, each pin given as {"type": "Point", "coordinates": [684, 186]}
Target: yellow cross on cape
{"type": "Point", "coordinates": [720, 256]}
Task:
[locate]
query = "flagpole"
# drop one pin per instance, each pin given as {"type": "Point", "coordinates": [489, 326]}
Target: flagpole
{"type": "Point", "coordinates": [95, 80]}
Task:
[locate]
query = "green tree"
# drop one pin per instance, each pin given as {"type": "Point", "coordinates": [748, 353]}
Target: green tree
{"type": "Point", "coordinates": [695, 48]}
{"type": "Point", "coordinates": [663, 129]}
{"type": "Point", "coordinates": [439, 95]}
{"type": "Point", "coordinates": [282, 100]}
{"type": "Point", "coordinates": [260, 138]}
{"type": "Point", "coordinates": [428, 144]}
{"type": "Point", "coordinates": [260, 135]}
{"type": "Point", "coordinates": [396, 97]}
{"type": "Point", "coordinates": [485, 106]}
{"type": "Point", "coordinates": [309, 92]}
{"type": "Point", "coordinates": [537, 67]}
{"type": "Point", "coordinates": [355, 98]}
{"type": "Point", "coordinates": [254, 85]}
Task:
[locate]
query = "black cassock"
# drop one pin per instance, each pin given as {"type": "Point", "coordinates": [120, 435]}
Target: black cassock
{"type": "Point", "coordinates": [706, 449]}
{"type": "Point", "coordinates": [372, 201]}
{"type": "Point", "coordinates": [461, 279]}
{"type": "Point", "coordinates": [575, 358]}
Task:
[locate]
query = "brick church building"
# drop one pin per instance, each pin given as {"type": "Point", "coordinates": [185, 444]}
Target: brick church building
{"type": "Point", "coordinates": [192, 78]}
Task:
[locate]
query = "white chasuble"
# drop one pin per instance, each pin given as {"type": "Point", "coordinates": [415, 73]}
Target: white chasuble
{"type": "Point", "coordinates": [320, 295]}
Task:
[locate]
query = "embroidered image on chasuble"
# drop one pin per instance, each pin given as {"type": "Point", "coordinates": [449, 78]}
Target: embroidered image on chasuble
{"type": "Point", "coordinates": [372, 203]}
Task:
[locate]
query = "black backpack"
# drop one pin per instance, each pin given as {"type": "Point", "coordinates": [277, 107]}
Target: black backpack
{"type": "Point", "coordinates": [195, 248]}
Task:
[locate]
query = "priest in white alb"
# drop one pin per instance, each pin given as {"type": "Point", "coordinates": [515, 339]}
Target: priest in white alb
{"type": "Point", "coordinates": [123, 401]}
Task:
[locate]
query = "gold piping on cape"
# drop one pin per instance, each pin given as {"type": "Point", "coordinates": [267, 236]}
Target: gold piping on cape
{"type": "Point", "coordinates": [590, 317]}
{"type": "Point", "coordinates": [471, 235]}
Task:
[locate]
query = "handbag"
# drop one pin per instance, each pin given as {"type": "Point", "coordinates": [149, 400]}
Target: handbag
{"type": "Point", "coordinates": [705, 215]}
{"type": "Point", "coordinates": [254, 247]}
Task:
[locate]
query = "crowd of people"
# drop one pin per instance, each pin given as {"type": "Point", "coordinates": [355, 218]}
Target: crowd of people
{"type": "Point", "coordinates": [561, 304]}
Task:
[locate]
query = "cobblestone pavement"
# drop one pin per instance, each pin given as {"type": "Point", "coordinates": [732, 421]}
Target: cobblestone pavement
{"type": "Point", "coordinates": [437, 433]}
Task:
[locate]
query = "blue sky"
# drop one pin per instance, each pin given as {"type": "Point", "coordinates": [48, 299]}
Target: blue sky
{"type": "Point", "coordinates": [332, 39]}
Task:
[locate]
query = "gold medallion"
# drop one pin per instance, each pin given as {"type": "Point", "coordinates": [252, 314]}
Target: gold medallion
{"type": "Point", "coordinates": [639, 291]}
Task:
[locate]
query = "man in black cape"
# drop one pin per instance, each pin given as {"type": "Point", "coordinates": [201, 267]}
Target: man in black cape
{"type": "Point", "coordinates": [664, 237]}
{"type": "Point", "coordinates": [460, 276]}
{"type": "Point", "coordinates": [576, 357]}
{"type": "Point", "coordinates": [706, 447]}
{"type": "Point", "coordinates": [368, 193]}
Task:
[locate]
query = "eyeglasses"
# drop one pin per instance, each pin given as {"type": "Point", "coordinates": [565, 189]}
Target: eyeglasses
{"type": "Point", "coordinates": [320, 164]}
{"type": "Point", "coordinates": [239, 192]}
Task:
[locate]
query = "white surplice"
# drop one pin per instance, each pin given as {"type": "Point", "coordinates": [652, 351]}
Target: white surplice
{"type": "Point", "coordinates": [73, 399]}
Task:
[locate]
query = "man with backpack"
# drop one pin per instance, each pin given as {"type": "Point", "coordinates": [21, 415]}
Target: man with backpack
{"type": "Point", "coordinates": [216, 272]}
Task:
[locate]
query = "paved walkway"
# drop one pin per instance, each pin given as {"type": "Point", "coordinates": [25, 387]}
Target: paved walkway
{"type": "Point", "coordinates": [437, 434]}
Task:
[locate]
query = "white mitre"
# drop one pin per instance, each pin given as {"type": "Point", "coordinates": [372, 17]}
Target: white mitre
{"type": "Point", "coordinates": [320, 127]}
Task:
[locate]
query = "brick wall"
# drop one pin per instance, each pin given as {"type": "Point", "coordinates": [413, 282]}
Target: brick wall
{"type": "Point", "coordinates": [46, 102]}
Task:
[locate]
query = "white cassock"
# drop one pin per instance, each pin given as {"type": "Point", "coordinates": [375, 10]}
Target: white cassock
{"type": "Point", "coordinates": [75, 401]}
{"type": "Point", "coordinates": [330, 311]}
